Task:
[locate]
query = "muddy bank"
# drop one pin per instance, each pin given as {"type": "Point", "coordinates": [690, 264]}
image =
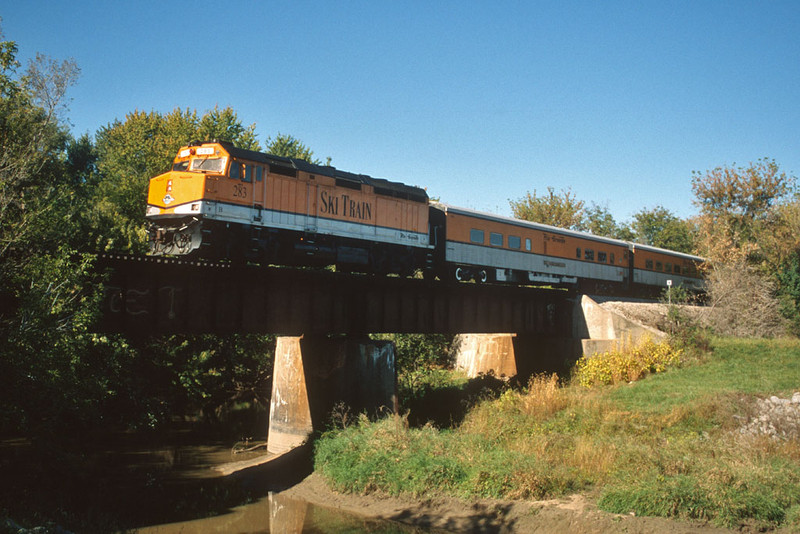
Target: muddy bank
{"type": "Point", "coordinates": [575, 514]}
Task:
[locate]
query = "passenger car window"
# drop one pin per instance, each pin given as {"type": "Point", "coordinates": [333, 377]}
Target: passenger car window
{"type": "Point", "coordinates": [514, 241]}
{"type": "Point", "coordinates": [527, 244]}
{"type": "Point", "coordinates": [588, 254]}
{"type": "Point", "coordinates": [648, 264]}
{"type": "Point", "coordinates": [602, 257]}
{"type": "Point", "coordinates": [578, 252]}
{"type": "Point", "coordinates": [495, 239]}
{"type": "Point", "coordinates": [476, 236]}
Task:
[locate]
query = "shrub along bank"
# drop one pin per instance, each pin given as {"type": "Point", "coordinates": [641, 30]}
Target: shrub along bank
{"type": "Point", "coordinates": [666, 445]}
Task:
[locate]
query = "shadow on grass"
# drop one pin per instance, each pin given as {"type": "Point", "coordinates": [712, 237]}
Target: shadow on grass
{"type": "Point", "coordinates": [446, 407]}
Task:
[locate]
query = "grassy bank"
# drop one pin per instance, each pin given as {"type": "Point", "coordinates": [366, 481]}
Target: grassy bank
{"type": "Point", "coordinates": [666, 445]}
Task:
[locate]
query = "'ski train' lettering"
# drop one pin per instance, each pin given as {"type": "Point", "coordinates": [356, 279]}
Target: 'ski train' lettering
{"type": "Point", "coordinates": [344, 206]}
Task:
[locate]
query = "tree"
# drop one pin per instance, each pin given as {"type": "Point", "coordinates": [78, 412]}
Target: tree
{"type": "Point", "coordinates": [31, 141]}
{"type": "Point", "coordinates": [749, 222]}
{"type": "Point", "coordinates": [132, 151]}
{"type": "Point", "coordinates": [224, 125]}
{"type": "Point", "coordinates": [46, 296]}
{"type": "Point", "coordinates": [561, 210]}
{"type": "Point", "coordinates": [659, 227]}
{"type": "Point", "coordinates": [290, 147]}
{"type": "Point", "coordinates": [737, 207]}
{"type": "Point", "coordinates": [599, 221]}
{"type": "Point", "coordinates": [564, 210]}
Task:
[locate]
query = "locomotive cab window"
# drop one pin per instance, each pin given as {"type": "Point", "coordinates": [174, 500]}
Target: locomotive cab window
{"type": "Point", "coordinates": [236, 170]}
{"type": "Point", "coordinates": [216, 165]}
{"type": "Point", "coordinates": [514, 242]}
{"type": "Point", "coordinates": [495, 239]}
{"type": "Point", "coordinates": [248, 173]}
{"type": "Point", "coordinates": [181, 166]}
{"type": "Point", "coordinates": [259, 173]}
{"type": "Point", "coordinates": [476, 236]}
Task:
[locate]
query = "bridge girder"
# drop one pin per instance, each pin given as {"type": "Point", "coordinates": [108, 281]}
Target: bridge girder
{"type": "Point", "coordinates": [156, 296]}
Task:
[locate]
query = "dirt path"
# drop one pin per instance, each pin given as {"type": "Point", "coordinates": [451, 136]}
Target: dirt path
{"type": "Point", "coordinates": [575, 514]}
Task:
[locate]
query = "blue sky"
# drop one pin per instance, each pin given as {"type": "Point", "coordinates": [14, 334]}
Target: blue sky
{"type": "Point", "coordinates": [479, 102]}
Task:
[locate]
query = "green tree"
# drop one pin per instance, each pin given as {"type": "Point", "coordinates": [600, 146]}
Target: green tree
{"type": "Point", "coordinates": [563, 210]}
{"type": "Point", "coordinates": [132, 151]}
{"type": "Point", "coordinates": [659, 227]}
{"type": "Point", "coordinates": [599, 221]}
{"type": "Point", "coordinates": [224, 125]}
{"type": "Point", "coordinates": [288, 146]}
{"type": "Point", "coordinates": [46, 300]}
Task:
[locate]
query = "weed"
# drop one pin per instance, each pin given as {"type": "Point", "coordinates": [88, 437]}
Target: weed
{"type": "Point", "coordinates": [544, 397]}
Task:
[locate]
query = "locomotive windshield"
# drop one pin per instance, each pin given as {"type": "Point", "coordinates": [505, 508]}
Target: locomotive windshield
{"type": "Point", "coordinates": [216, 165]}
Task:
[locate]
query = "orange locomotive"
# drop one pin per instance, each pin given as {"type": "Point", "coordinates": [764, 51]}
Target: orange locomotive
{"type": "Point", "coordinates": [221, 201]}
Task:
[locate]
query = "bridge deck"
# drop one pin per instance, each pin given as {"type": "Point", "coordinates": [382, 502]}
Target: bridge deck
{"type": "Point", "coordinates": [151, 295]}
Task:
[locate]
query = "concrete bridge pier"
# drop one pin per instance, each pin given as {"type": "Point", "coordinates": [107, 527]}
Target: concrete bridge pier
{"type": "Point", "coordinates": [312, 374]}
{"type": "Point", "coordinates": [593, 329]}
{"type": "Point", "coordinates": [505, 356]}
{"type": "Point", "coordinates": [484, 354]}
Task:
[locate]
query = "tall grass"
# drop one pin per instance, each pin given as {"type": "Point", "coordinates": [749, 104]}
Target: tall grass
{"type": "Point", "coordinates": [665, 445]}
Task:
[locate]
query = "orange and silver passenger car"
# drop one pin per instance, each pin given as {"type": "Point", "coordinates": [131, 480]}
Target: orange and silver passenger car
{"type": "Point", "coordinates": [223, 201]}
{"type": "Point", "coordinates": [490, 248]}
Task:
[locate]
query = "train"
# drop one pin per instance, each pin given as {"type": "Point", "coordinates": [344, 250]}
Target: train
{"type": "Point", "coordinates": [223, 202]}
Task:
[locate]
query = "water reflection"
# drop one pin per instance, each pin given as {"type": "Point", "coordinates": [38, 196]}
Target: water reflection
{"type": "Point", "coordinates": [280, 514]}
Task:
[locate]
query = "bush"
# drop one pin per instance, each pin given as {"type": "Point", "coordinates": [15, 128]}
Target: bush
{"type": "Point", "coordinates": [686, 332]}
{"type": "Point", "coordinates": [743, 303]}
{"type": "Point", "coordinates": [626, 364]}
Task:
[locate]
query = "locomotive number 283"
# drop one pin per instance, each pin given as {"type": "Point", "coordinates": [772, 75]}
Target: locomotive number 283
{"type": "Point", "coordinates": [240, 191]}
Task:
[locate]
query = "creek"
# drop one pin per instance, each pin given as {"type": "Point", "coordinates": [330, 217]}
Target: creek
{"type": "Point", "coordinates": [248, 497]}
{"type": "Point", "coordinates": [130, 483]}
{"type": "Point", "coordinates": [278, 513]}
